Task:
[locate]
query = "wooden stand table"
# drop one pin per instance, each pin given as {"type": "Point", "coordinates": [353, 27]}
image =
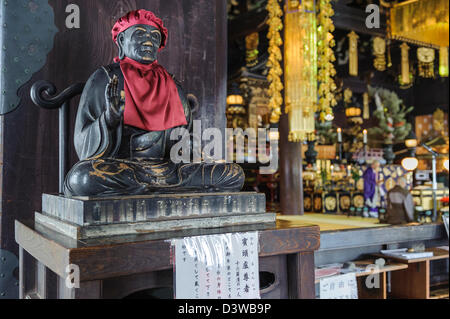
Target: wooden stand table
{"type": "Point", "coordinates": [414, 281]}
{"type": "Point", "coordinates": [117, 267]}
{"type": "Point", "coordinates": [375, 293]}
{"type": "Point", "coordinates": [379, 292]}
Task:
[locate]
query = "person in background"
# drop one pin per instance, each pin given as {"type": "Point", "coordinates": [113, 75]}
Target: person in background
{"type": "Point", "coordinates": [400, 205]}
{"type": "Point", "coordinates": [373, 190]}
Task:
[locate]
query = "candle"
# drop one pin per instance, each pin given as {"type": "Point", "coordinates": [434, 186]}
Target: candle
{"type": "Point", "coordinates": [339, 132]}
{"type": "Point", "coordinates": [365, 137]}
{"type": "Point", "coordinates": [349, 170]}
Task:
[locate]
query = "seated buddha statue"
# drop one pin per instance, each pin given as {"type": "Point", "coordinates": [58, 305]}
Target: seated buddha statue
{"type": "Point", "coordinates": [125, 118]}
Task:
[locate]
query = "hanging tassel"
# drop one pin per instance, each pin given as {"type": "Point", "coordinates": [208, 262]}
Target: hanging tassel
{"type": "Point", "coordinates": [404, 79]}
{"type": "Point", "coordinates": [353, 53]}
{"type": "Point", "coordinates": [366, 110]}
{"type": "Point", "coordinates": [389, 60]}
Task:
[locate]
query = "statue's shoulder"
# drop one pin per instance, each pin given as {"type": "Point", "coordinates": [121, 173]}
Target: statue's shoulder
{"type": "Point", "coordinates": [110, 70]}
{"type": "Point", "coordinates": [104, 73]}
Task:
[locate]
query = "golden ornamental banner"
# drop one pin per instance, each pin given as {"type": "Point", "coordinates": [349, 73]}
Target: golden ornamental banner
{"type": "Point", "coordinates": [300, 67]}
{"type": "Point", "coordinates": [421, 21]}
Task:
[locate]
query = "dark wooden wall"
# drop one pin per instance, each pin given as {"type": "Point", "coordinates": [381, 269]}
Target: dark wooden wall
{"type": "Point", "coordinates": [195, 54]}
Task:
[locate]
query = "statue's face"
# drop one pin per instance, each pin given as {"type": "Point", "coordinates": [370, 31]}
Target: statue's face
{"type": "Point", "coordinates": [140, 43]}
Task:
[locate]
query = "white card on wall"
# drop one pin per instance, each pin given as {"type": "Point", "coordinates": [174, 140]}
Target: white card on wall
{"type": "Point", "coordinates": [221, 266]}
{"type": "Point", "coordinates": [339, 287]}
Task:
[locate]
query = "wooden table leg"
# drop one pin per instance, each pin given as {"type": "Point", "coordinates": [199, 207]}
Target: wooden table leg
{"type": "Point", "coordinates": [27, 273]}
{"type": "Point", "coordinates": [301, 276]}
{"type": "Point", "coordinates": [413, 282]}
{"type": "Point", "coordinates": [46, 282]}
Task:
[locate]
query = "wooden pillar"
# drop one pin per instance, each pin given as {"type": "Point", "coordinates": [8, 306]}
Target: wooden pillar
{"type": "Point", "coordinates": [291, 180]}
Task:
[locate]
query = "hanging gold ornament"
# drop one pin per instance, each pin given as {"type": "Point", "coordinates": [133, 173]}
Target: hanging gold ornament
{"type": "Point", "coordinates": [300, 57]}
{"type": "Point", "coordinates": [348, 94]}
{"type": "Point", "coordinates": [388, 31]}
{"type": "Point", "coordinates": [325, 59]}
{"type": "Point", "coordinates": [404, 76]}
{"type": "Point", "coordinates": [379, 51]}
{"type": "Point", "coordinates": [443, 62]}
{"type": "Point", "coordinates": [275, 71]}
{"type": "Point", "coordinates": [251, 45]}
{"type": "Point", "coordinates": [353, 54]}
{"type": "Point", "coordinates": [426, 62]}
{"type": "Point", "coordinates": [366, 108]}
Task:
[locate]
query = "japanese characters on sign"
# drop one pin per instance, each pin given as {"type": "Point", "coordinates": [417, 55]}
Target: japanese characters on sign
{"type": "Point", "coordinates": [339, 287]}
{"type": "Point", "coordinates": [221, 266]}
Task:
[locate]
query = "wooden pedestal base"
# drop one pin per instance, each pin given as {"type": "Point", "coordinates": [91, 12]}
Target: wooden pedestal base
{"type": "Point", "coordinates": [116, 267]}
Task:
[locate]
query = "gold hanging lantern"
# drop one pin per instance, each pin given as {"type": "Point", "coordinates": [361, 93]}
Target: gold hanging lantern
{"type": "Point", "coordinates": [300, 67]}
{"type": "Point", "coordinates": [443, 61]}
{"type": "Point", "coordinates": [426, 62]}
{"type": "Point", "coordinates": [353, 54]}
{"type": "Point", "coordinates": [379, 51]}
{"type": "Point", "coordinates": [404, 77]}
{"type": "Point", "coordinates": [352, 111]}
{"type": "Point", "coordinates": [424, 21]}
{"type": "Point", "coordinates": [251, 46]}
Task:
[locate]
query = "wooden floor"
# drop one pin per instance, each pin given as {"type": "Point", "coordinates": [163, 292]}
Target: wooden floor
{"type": "Point", "coordinates": [328, 222]}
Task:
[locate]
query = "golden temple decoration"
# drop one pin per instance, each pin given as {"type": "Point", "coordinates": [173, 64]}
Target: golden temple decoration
{"type": "Point", "coordinates": [388, 31]}
{"type": "Point", "coordinates": [348, 96]}
{"type": "Point", "coordinates": [379, 51]}
{"type": "Point", "coordinates": [353, 54]}
{"type": "Point", "coordinates": [424, 21]}
{"type": "Point", "coordinates": [251, 45]}
{"type": "Point", "coordinates": [300, 52]}
{"type": "Point", "coordinates": [438, 121]}
{"type": "Point", "coordinates": [404, 76]}
{"type": "Point", "coordinates": [426, 62]}
{"type": "Point", "coordinates": [274, 77]}
{"type": "Point", "coordinates": [325, 59]}
{"type": "Point", "coordinates": [366, 106]}
{"type": "Point", "coordinates": [443, 62]}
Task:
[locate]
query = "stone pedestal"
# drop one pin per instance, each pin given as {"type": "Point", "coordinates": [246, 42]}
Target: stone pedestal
{"type": "Point", "coordinates": [83, 217]}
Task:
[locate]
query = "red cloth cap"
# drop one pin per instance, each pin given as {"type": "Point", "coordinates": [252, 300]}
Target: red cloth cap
{"type": "Point", "coordinates": [140, 17]}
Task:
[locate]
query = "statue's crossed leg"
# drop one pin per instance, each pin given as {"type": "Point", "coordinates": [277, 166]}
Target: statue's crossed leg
{"type": "Point", "coordinates": [106, 177]}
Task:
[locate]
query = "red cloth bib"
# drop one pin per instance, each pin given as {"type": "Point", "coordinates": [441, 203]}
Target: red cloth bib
{"type": "Point", "coordinates": [152, 102]}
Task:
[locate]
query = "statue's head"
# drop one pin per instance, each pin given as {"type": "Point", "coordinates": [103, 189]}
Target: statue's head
{"type": "Point", "coordinates": [140, 35]}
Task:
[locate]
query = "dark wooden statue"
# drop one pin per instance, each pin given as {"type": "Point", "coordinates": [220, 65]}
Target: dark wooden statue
{"type": "Point", "coordinates": [126, 115]}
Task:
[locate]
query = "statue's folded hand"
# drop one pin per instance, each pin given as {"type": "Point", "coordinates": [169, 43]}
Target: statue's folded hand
{"type": "Point", "coordinates": [115, 103]}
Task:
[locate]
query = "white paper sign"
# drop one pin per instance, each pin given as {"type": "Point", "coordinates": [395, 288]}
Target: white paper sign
{"type": "Point", "coordinates": [221, 266]}
{"type": "Point", "coordinates": [339, 287]}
